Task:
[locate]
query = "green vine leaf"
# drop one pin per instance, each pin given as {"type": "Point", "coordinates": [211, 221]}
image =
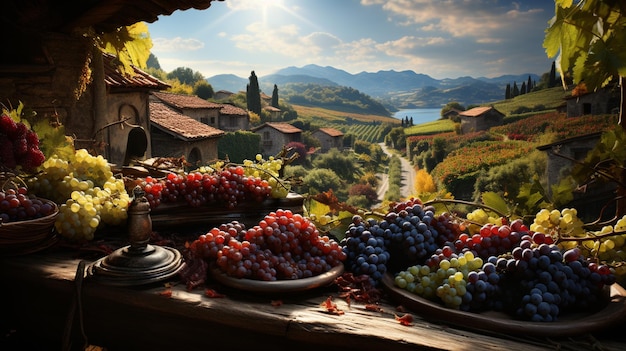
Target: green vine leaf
{"type": "Point", "coordinates": [495, 201]}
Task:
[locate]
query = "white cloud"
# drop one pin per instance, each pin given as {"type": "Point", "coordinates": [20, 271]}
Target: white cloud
{"type": "Point", "coordinates": [176, 44]}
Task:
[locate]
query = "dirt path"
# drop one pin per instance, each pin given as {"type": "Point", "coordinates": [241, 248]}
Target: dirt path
{"type": "Point", "coordinates": [408, 177]}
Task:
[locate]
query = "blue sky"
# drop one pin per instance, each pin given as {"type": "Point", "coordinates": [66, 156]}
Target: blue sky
{"type": "Point", "coordinates": [441, 38]}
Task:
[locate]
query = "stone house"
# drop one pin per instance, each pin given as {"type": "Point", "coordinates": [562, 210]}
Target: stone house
{"type": "Point", "coordinates": [221, 116]}
{"type": "Point", "coordinates": [480, 118]}
{"type": "Point", "coordinates": [127, 114]}
{"type": "Point", "coordinates": [55, 69]}
{"type": "Point", "coordinates": [591, 198]}
{"type": "Point", "coordinates": [603, 101]}
{"type": "Point", "coordinates": [329, 138]}
{"type": "Point", "coordinates": [222, 95]}
{"type": "Point", "coordinates": [233, 118]}
{"type": "Point", "coordinates": [174, 135]}
{"type": "Point", "coordinates": [274, 136]}
{"type": "Point", "coordinates": [192, 106]}
{"type": "Point", "coordinates": [274, 112]}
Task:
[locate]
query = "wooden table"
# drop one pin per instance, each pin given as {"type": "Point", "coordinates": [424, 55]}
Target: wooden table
{"type": "Point", "coordinates": [38, 290]}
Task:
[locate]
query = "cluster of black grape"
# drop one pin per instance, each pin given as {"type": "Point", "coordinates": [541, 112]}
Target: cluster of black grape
{"type": "Point", "coordinates": [409, 233]}
{"type": "Point", "coordinates": [414, 233]}
{"type": "Point", "coordinates": [229, 186]}
{"type": "Point", "coordinates": [550, 281]}
{"type": "Point", "coordinates": [365, 249]}
{"type": "Point", "coordinates": [16, 205]}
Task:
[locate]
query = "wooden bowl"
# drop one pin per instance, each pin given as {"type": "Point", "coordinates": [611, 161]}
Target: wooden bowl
{"type": "Point", "coordinates": [277, 286]}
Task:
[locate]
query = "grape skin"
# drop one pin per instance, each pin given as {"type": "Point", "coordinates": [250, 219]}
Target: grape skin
{"type": "Point", "coordinates": [282, 246]}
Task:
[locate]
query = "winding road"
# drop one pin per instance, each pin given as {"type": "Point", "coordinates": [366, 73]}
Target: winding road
{"type": "Point", "coordinates": [408, 177]}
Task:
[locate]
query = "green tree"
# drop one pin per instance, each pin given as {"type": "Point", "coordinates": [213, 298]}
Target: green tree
{"type": "Point", "coordinates": [253, 94]}
{"type": "Point", "coordinates": [515, 90]}
{"type": "Point", "coordinates": [203, 89]}
{"type": "Point", "coordinates": [275, 96]}
{"type": "Point", "coordinates": [319, 180]}
{"type": "Point", "coordinates": [185, 75]}
{"type": "Point", "coordinates": [529, 85]}
{"type": "Point", "coordinates": [507, 92]}
{"type": "Point", "coordinates": [343, 164]}
{"type": "Point", "coordinates": [396, 138]}
{"type": "Point", "coordinates": [552, 76]}
{"type": "Point", "coordinates": [153, 62]}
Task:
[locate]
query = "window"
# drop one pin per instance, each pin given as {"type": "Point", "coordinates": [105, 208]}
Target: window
{"type": "Point", "coordinates": [204, 120]}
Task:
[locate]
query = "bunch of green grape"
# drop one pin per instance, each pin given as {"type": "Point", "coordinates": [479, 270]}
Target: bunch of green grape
{"type": "Point", "coordinates": [559, 224]}
{"type": "Point", "coordinates": [480, 217]}
{"type": "Point", "coordinates": [446, 281]}
{"type": "Point", "coordinates": [88, 193]}
{"type": "Point", "coordinates": [268, 169]}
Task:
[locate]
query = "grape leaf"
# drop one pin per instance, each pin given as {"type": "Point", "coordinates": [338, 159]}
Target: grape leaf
{"type": "Point", "coordinates": [131, 45]}
{"type": "Point", "coordinates": [495, 201]}
{"type": "Point", "coordinates": [53, 140]}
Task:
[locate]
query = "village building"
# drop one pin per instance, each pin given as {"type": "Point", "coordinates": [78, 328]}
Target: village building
{"type": "Point", "coordinates": [192, 106]}
{"type": "Point", "coordinates": [274, 113]}
{"type": "Point", "coordinates": [233, 118]}
{"type": "Point", "coordinates": [274, 136]}
{"type": "Point", "coordinates": [176, 135]}
{"type": "Point", "coordinates": [603, 101]}
{"type": "Point", "coordinates": [561, 157]}
{"type": "Point", "coordinates": [480, 118]}
{"type": "Point", "coordinates": [451, 114]}
{"type": "Point", "coordinates": [222, 95]}
{"type": "Point", "coordinates": [329, 138]}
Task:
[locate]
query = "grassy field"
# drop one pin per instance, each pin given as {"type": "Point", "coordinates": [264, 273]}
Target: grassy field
{"type": "Point", "coordinates": [434, 127]}
{"type": "Point", "coordinates": [549, 98]}
{"type": "Point", "coordinates": [308, 113]}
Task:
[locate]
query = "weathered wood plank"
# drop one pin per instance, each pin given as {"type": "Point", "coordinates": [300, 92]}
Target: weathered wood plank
{"type": "Point", "coordinates": [44, 284]}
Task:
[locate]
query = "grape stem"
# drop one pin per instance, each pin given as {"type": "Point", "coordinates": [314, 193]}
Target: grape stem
{"type": "Point", "coordinates": [462, 202]}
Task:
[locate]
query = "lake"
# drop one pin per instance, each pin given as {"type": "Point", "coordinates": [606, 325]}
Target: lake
{"type": "Point", "coordinates": [420, 115]}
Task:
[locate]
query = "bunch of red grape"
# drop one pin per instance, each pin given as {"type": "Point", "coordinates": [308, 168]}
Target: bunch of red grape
{"type": "Point", "coordinates": [17, 205]}
{"type": "Point", "coordinates": [229, 186]}
{"type": "Point", "coordinates": [282, 246]}
{"type": "Point", "coordinates": [19, 145]}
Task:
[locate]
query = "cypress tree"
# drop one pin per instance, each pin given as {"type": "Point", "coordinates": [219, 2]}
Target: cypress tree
{"type": "Point", "coordinates": [523, 89]}
{"type": "Point", "coordinates": [552, 79]}
{"type": "Point", "coordinates": [529, 85]}
{"type": "Point", "coordinates": [275, 96]}
{"type": "Point", "coordinates": [515, 90]}
{"type": "Point", "coordinates": [253, 94]}
{"type": "Point", "coordinates": [507, 92]}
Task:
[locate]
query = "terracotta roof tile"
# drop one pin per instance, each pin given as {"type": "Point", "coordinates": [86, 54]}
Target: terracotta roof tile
{"type": "Point", "coordinates": [185, 101]}
{"type": "Point", "coordinates": [115, 79]}
{"type": "Point", "coordinates": [232, 110]}
{"type": "Point", "coordinates": [476, 111]}
{"type": "Point", "coordinates": [271, 109]}
{"type": "Point", "coordinates": [284, 128]}
{"type": "Point", "coordinates": [331, 132]}
{"type": "Point", "coordinates": [169, 120]}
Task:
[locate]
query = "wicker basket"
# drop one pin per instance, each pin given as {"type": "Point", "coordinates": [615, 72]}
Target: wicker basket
{"type": "Point", "coordinates": [23, 234]}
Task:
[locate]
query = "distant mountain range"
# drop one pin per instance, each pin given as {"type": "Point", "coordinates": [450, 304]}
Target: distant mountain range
{"type": "Point", "coordinates": [396, 90]}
